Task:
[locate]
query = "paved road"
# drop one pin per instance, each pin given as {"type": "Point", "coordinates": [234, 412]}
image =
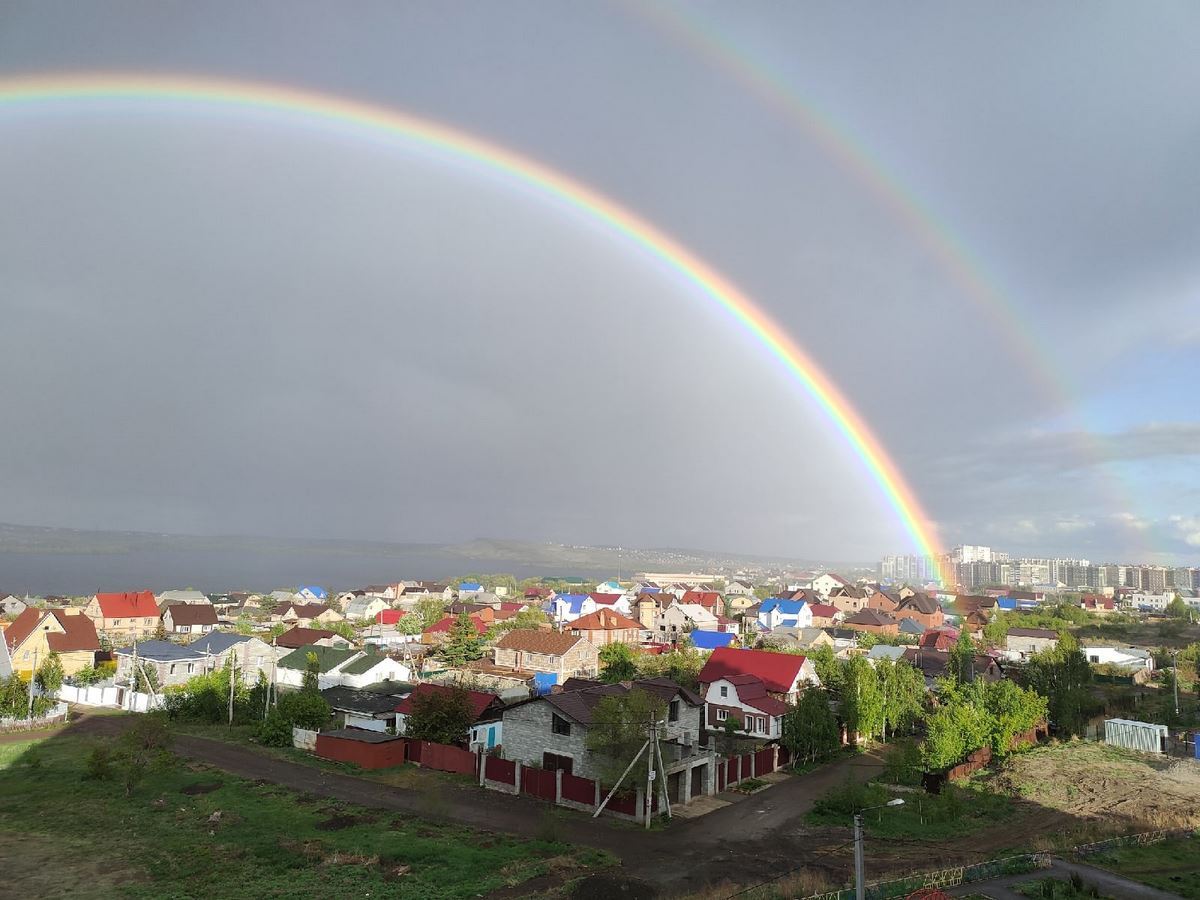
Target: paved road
{"type": "Point", "coordinates": [689, 855]}
{"type": "Point", "coordinates": [1109, 883]}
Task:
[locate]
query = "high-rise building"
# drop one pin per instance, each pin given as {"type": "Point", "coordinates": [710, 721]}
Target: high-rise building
{"type": "Point", "coordinates": [968, 553]}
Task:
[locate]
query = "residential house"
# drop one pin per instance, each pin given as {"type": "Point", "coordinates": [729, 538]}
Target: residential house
{"type": "Point", "coordinates": [844, 640]}
{"type": "Point", "coordinates": [36, 633]}
{"type": "Point", "coordinates": [872, 621]}
{"type": "Point", "coordinates": [611, 586]}
{"type": "Point", "coordinates": [909, 628]}
{"type": "Point", "coordinates": [739, 604]}
{"type": "Point", "coordinates": [538, 650]}
{"type": "Point", "coordinates": [389, 593]}
{"type": "Point", "coordinates": [935, 664]}
{"type": "Point", "coordinates": [469, 587]}
{"type": "Point", "coordinates": [12, 606]}
{"type": "Point", "coordinates": [776, 613]}
{"type": "Point", "coordinates": [312, 594]}
{"type": "Point", "coordinates": [569, 607]}
{"type": "Point", "coordinates": [746, 699]}
{"type": "Point", "coordinates": [881, 652]}
{"type": "Point", "coordinates": [340, 667]}
{"type": "Point", "coordinates": [305, 614]}
{"type": "Point", "coordinates": [172, 664]}
{"type": "Point", "coordinates": [189, 618]}
{"type": "Point", "coordinates": [884, 601]}
{"type": "Point", "coordinates": [123, 616]}
{"type": "Point", "coordinates": [171, 598]}
{"type": "Point", "coordinates": [724, 623]}
{"type": "Point", "coordinates": [649, 606]}
{"type": "Point", "coordinates": [800, 638]}
{"type": "Point", "coordinates": [1027, 641]}
{"type": "Point", "coordinates": [552, 732]}
{"type": "Point", "coordinates": [367, 608]}
{"type": "Point", "coordinates": [710, 600]}
{"type": "Point", "coordinates": [826, 584]}
{"type": "Point", "coordinates": [345, 598]}
{"type": "Point", "coordinates": [296, 637]}
{"type": "Point", "coordinates": [738, 588]}
{"type": "Point", "coordinates": [251, 655]}
{"type": "Point", "coordinates": [921, 608]}
{"type": "Point", "coordinates": [1132, 658]}
{"type": "Point", "coordinates": [679, 618]}
{"type": "Point", "coordinates": [824, 615]}
{"type": "Point", "coordinates": [615, 602]}
{"type": "Point", "coordinates": [711, 640]}
{"type": "Point", "coordinates": [487, 726]}
{"type": "Point", "coordinates": [785, 675]}
{"type": "Point", "coordinates": [606, 626]}
{"type": "Point", "coordinates": [368, 668]}
{"type": "Point", "coordinates": [1098, 605]}
{"type": "Point", "coordinates": [291, 667]}
{"type": "Point", "coordinates": [367, 710]}
{"type": "Point", "coordinates": [6, 663]}
{"type": "Point", "coordinates": [939, 638]}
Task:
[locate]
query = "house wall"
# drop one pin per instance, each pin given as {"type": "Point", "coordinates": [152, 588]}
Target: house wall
{"type": "Point", "coordinates": [848, 605]}
{"type": "Point", "coordinates": [120, 628]}
{"type": "Point", "coordinates": [599, 637]}
{"type": "Point", "coordinates": [528, 734]}
{"type": "Point", "coordinates": [929, 620]}
{"type": "Point", "coordinates": [890, 628]}
{"type": "Point", "coordinates": [582, 659]}
{"type": "Point", "coordinates": [1019, 644]}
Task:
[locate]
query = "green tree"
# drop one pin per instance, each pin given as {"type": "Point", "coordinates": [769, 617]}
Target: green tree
{"type": "Point", "coordinates": [810, 728]}
{"type": "Point", "coordinates": [827, 665]}
{"type": "Point", "coordinates": [443, 717]}
{"type": "Point", "coordinates": [244, 625]}
{"type": "Point", "coordinates": [50, 674]}
{"type": "Point", "coordinates": [962, 658]}
{"type": "Point", "coordinates": [732, 726]}
{"type": "Point", "coordinates": [903, 689]}
{"type": "Point", "coordinates": [1062, 676]}
{"type": "Point", "coordinates": [429, 611]}
{"type": "Point", "coordinates": [303, 709]}
{"type": "Point", "coordinates": [621, 724]}
{"type": "Point", "coordinates": [862, 699]}
{"type": "Point", "coordinates": [618, 662]}
{"type": "Point", "coordinates": [1013, 710]}
{"type": "Point", "coordinates": [145, 679]}
{"type": "Point", "coordinates": [682, 665]}
{"type": "Point", "coordinates": [1178, 609]}
{"type": "Point", "coordinates": [528, 618]}
{"type": "Point", "coordinates": [464, 643]}
{"type": "Point", "coordinates": [277, 629]}
{"type": "Point", "coordinates": [312, 674]}
{"type": "Point", "coordinates": [343, 629]}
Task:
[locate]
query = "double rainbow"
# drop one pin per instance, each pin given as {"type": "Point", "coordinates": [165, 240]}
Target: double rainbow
{"type": "Point", "coordinates": [93, 87]}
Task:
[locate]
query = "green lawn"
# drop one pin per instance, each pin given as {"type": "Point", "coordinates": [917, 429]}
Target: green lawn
{"type": "Point", "coordinates": [70, 835]}
{"type": "Point", "coordinates": [1172, 865]}
{"type": "Point", "coordinates": [1055, 889]}
{"type": "Point", "coordinates": [958, 810]}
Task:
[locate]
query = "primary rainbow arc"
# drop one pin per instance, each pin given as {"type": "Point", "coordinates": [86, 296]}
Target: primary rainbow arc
{"type": "Point", "coordinates": [65, 88]}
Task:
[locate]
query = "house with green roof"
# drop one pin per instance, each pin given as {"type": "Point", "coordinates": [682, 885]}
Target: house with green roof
{"type": "Point", "coordinates": [339, 667]}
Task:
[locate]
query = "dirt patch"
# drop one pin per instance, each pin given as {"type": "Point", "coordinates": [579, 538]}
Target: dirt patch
{"type": "Point", "coordinates": [337, 823]}
{"type": "Point", "coordinates": [41, 866]}
{"type": "Point", "coordinates": [201, 787]}
{"type": "Point", "coordinates": [608, 885]}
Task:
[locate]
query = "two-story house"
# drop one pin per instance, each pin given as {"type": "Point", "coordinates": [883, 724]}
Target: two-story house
{"type": "Point", "coordinates": [1027, 641]}
{"type": "Point", "coordinates": [36, 633]}
{"type": "Point", "coordinates": [745, 699]}
{"type": "Point", "coordinates": [189, 618]}
{"type": "Point", "coordinates": [678, 619]}
{"type": "Point", "coordinates": [128, 615]}
{"type": "Point", "coordinates": [921, 608]}
{"type": "Point", "coordinates": [606, 626]}
{"type": "Point", "coordinates": [776, 613]}
{"type": "Point", "coordinates": [783, 675]}
{"type": "Point", "coordinates": [251, 655]}
{"type": "Point", "coordinates": [542, 650]}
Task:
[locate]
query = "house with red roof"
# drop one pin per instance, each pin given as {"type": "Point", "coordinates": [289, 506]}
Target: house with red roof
{"type": "Point", "coordinates": [607, 626]}
{"type": "Point", "coordinates": [390, 616]}
{"type": "Point", "coordinates": [36, 633]}
{"type": "Point", "coordinates": [784, 675]}
{"type": "Point", "coordinates": [825, 615]}
{"type": "Point", "coordinates": [710, 600]}
{"type": "Point", "coordinates": [128, 615]}
{"type": "Point", "coordinates": [1098, 604]}
{"type": "Point", "coordinates": [942, 638]}
{"type": "Point", "coordinates": [487, 709]}
{"type": "Point", "coordinates": [745, 699]}
{"type": "Point", "coordinates": [439, 631]}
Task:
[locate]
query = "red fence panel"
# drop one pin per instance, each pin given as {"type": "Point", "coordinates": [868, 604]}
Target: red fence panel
{"type": "Point", "coordinates": [369, 756]}
{"type": "Point", "coordinates": [448, 759]}
{"type": "Point", "coordinates": [503, 770]}
{"type": "Point", "coordinates": [624, 803]}
{"type": "Point", "coordinates": [785, 756]}
{"type": "Point", "coordinates": [538, 783]}
{"type": "Point", "coordinates": [735, 769]}
{"type": "Point", "coordinates": [748, 766]}
{"type": "Point", "coordinates": [414, 751]}
{"type": "Point", "coordinates": [581, 790]}
{"type": "Point", "coordinates": [764, 761]}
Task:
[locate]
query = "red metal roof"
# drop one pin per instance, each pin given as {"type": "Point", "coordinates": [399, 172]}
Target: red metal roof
{"type": "Point", "coordinates": [823, 610]}
{"type": "Point", "coordinates": [447, 622]}
{"type": "Point", "coordinates": [78, 631]}
{"type": "Point", "coordinates": [702, 598]}
{"type": "Point", "coordinates": [128, 605]}
{"type": "Point", "coordinates": [778, 671]}
{"type": "Point", "coordinates": [479, 700]}
{"type": "Point", "coordinates": [390, 616]}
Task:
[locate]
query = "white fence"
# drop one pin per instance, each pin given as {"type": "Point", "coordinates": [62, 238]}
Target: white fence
{"type": "Point", "coordinates": [303, 739]}
{"type": "Point", "coordinates": [111, 695]}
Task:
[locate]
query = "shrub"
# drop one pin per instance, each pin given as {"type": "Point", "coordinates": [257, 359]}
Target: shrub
{"type": "Point", "coordinates": [275, 731]}
{"type": "Point", "coordinates": [99, 763]}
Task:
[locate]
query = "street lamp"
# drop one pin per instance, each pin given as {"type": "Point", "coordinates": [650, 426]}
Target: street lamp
{"type": "Point", "coordinates": [860, 883]}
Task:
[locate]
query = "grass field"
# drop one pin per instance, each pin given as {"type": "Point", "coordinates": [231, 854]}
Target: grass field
{"type": "Point", "coordinates": [64, 834]}
{"type": "Point", "coordinates": [1172, 866]}
{"type": "Point", "coordinates": [958, 810]}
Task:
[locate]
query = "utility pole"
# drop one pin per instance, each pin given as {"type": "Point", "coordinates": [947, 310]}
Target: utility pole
{"type": "Point", "coordinates": [232, 675]}
{"type": "Point", "coordinates": [33, 683]}
{"type": "Point", "coordinates": [860, 884]}
{"type": "Point", "coordinates": [1175, 679]}
{"type": "Point", "coordinates": [651, 741]}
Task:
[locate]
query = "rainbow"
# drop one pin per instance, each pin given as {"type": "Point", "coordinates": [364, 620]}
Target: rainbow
{"type": "Point", "coordinates": [40, 90]}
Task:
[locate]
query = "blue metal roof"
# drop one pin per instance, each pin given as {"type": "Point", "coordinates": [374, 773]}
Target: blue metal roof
{"type": "Point", "coordinates": [217, 642]}
{"type": "Point", "coordinates": [161, 651]}
{"type": "Point", "coordinates": [710, 640]}
{"type": "Point", "coordinates": [785, 607]}
{"type": "Point", "coordinates": [316, 591]}
{"type": "Point", "coordinates": [574, 602]}
{"type": "Point", "coordinates": [470, 586]}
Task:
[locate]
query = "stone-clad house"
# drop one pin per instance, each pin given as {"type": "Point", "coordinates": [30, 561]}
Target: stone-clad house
{"type": "Point", "coordinates": [543, 650]}
{"type": "Point", "coordinates": [552, 731]}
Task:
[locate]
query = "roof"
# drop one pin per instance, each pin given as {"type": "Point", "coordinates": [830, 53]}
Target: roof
{"type": "Point", "coordinates": [128, 605]}
{"type": "Point", "coordinates": [529, 640]}
{"type": "Point", "coordinates": [301, 637]}
{"type": "Point", "coordinates": [192, 614]}
{"type": "Point", "coordinates": [480, 701]}
{"type": "Point", "coordinates": [365, 663]}
{"type": "Point", "coordinates": [778, 671]}
{"type": "Point", "coordinates": [921, 603]}
{"type": "Point", "coordinates": [390, 616]}
{"type": "Point", "coordinates": [604, 620]}
{"type": "Point", "coordinates": [573, 602]}
{"type": "Point", "coordinates": [350, 700]}
{"type": "Point", "coordinates": [601, 599]}
{"type": "Point", "coordinates": [303, 610]}
{"type": "Point", "coordinates": [870, 616]}
{"type": "Point", "coordinates": [327, 657]}
{"type": "Point", "coordinates": [702, 598]}
{"type": "Point", "coordinates": [315, 591]}
{"type": "Point", "coordinates": [161, 651]}
{"type": "Point", "coordinates": [172, 597]}
{"type": "Point", "coordinates": [711, 640]}
{"type": "Point", "coordinates": [823, 610]}
{"type": "Point", "coordinates": [580, 703]}
{"type": "Point", "coordinates": [79, 632]}
{"type": "Point", "coordinates": [911, 626]}
{"type": "Point", "coordinates": [362, 735]}
{"type": "Point", "coordinates": [785, 607]}
{"type": "Point", "coordinates": [885, 651]}
{"type": "Point", "coordinates": [1044, 633]}
{"type": "Point", "coordinates": [445, 623]}
{"type": "Point", "coordinates": [218, 641]}
{"type": "Point", "coordinates": [470, 586]}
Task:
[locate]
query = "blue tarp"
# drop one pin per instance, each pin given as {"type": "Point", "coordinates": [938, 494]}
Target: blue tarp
{"type": "Point", "coordinates": [543, 681]}
{"type": "Point", "coordinates": [710, 640]}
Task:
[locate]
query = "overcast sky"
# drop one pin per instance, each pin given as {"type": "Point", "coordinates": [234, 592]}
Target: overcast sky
{"type": "Point", "coordinates": [217, 322]}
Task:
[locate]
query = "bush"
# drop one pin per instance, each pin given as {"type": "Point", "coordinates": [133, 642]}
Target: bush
{"type": "Point", "coordinates": [303, 709]}
{"type": "Point", "coordinates": [99, 763]}
{"type": "Point", "coordinates": [275, 731]}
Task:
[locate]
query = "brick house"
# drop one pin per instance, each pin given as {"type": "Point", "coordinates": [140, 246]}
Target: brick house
{"type": "Point", "coordinates": [189, 618]}
{"type": "Point", "coordinates": [849, 599]}
{"type": "Point", "coordinates": [921, 608]}
{"type": "Point", "coordinates": [552, 731]}
{"type": "Point", "coordinates": [873, 621]}
{"type": "Point", "coordinates": [606, 626]}
{"type": "Point", "coordinates": [297, 637]}
{"type": "Point", "coordinates": [824, 615]}
{"type": "Point", "coordinates": [710, 600]}
{"type": "Point", "coordinates": [123, 616]}
{"type": "Point", "coordinates": [884, 601]}
{"type": "Point", "coordinates": [543, 650]}
{"type": "Point", "coordinates": [1028, 641]}
{"type": "Point", "coordinates": [36, 633]}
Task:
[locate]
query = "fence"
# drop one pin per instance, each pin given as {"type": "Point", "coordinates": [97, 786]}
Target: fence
{"type": "Point", "coordinates": [303, 739]}
{"type": "Point", "coordinates": [109, 695]}
{"type": "Point", "coordinates": [55, 716]}
{"type": "Point", "coordinates": [736, 769]}
{"type": "Point", "coordinates": [944, 878]}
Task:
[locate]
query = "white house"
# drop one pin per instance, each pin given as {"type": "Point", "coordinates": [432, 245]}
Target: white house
{"type": "Point", "coordinates": [745, 698]}
{"type": "Point", "coordinates": [826, 584]}
{"type": "Point", "coordinates": [366, 607]}
{"type": "Point", "coordinates": [776, 613]}
{"type": "Point", "coordinates": [738, 588]}
{"type": "Point", "coordinates": [569, 607]}
{"type": "Point", "coordinates": [1155, 602]}
{"type": "Point", "coordinates": [680, 618]}
{"type": "Point", "coordinates": [1126, 657]}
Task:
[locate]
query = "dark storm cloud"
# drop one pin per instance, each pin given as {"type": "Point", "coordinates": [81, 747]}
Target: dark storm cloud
{"type": "Point", "coordinates": [221, 324]}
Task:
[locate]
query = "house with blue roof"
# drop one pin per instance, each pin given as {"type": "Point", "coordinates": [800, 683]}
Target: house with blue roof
{"type": "Point", "coordinates": [312, 594]}
{"type": "Point", "coordinates": [711, 640]}
{"type": "Point", "coordinates": [776, 612]}
{"type": "Point", "coordinates": [569, 607]}
{"type": "Point", "coordinates": [470, 587]}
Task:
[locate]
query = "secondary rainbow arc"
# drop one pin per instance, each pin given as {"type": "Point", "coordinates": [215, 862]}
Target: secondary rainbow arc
{"type": "Point", "coordinates": [82, 87]}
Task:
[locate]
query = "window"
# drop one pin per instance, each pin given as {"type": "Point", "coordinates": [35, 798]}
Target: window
{"type": "Point", "coordinates": [724, 691]}
{"type": "Point", "coordinates": [722, 715]}
{"type": "Point", "coordinates": [191, 668]}
{"type": "Point", "coordinates": [559, 725]}
{"type": "Point", "coordinates": [673, 711]}
{"type": "Point", "coordinates": [116, 622]}
{"type": "Point", "coordinates": [171, 671]}
{"type": "Point", "coordinates": [553, 761]}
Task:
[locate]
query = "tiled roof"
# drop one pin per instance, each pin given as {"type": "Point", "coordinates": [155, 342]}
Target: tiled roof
{"type": "Point", "coordinates": [529, 640]}
{"type": "Point", "coordinates": [604, 620]}
{"type": "Point", "coordinates": [128, 605]}
{"type": "Point", "coordinates": [778, 671]}
{"type": "Point", "coordinates": [79, 633]}
{"type": "Point", "coordinates": [193, 614]}
{"type": "Point", "coordinates": [579, 704]}
{"type": "Point", "coordinates": [921, 603]}
{"type": "Point", "coordinates": [301, 637]}
{"type": "Point", "coordinates": [824, 610]}
{"type": "Point", "coordinates": [871, 617]}
{"type": "Point", "coordinates": [605, 599]}
{"type": "Point", "coordinates": [327, 657]}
